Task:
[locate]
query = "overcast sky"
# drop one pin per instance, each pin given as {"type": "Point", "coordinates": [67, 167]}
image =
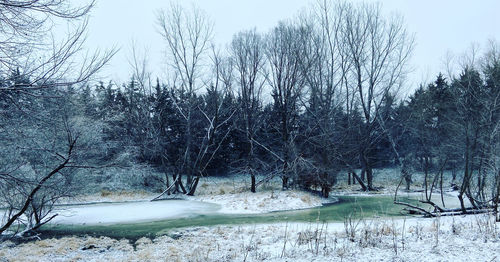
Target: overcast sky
{"type": "Point", "coordinates": [440, 27]}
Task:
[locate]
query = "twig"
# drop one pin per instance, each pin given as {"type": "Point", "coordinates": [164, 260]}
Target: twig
{"type": "Point", "coordinates": [284, 244]}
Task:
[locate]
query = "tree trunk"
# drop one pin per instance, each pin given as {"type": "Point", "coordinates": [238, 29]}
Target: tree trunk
{"type": "Point", "coordinates": [369, 178]}
{"type": "Point", "coordinates": [426, 177]}
{"type": "Point", "coordinates": [176, 183]}
{"type": "Point", "coordinates": [285, 182]}
{"type": "Point", "coordinates": [194, 185]}
{"type": "Point", "coordinates": [188, 149]}
{"type": "Point", "coordinates": [461, 199]}
{"type": "Point", "coordinates": [252, 187]}
{"type": "Point", "coordinates": [167, 183]}
{"type": "Point", "coordinates": [325, 191]}
{"type": "Point", "coordinates": [361, 183]}
{"type": "Point", "coordinates": [497, 197]}
{"type": "Point", "coordinates": [367, 172]}
{"type": "Point", "coordinates": [408, 181]}
{"type": "Point", "coordinates": [179, 183]}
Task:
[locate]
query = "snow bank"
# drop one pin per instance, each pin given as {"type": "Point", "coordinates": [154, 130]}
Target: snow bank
{"type": "Point", "coordinates": [261, 202]}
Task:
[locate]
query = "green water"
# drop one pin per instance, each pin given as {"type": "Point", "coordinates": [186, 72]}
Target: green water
{"type": "Point", "coordinates": [354, 206]}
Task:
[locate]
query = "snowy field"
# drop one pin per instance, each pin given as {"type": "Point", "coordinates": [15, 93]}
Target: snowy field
{"type": "Point", "coordinates": [470, 238]}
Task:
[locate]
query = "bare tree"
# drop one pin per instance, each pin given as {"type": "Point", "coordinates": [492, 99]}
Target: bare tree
{"type": "Point", "coordinates": [188, 36]}
{"type": "Point", "coordinates": [210, 135]}
{"type": "Point", "coordinates": [491, 69]}
{"type": "Point", "coordinates": [284, 51]}
{"type": "Point", "coordinates": [379, 51]}
{"type": "Point", "coordinates": [477, 121]}
{"type": "Point", "coordinates": [324, 66]}
{"type": "Point", "coordinates": [248, 58]}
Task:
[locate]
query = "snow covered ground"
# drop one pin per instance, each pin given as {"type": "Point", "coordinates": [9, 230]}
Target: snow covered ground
{"type": "Point", "coordinates": [470, 238]}
{"type": "Point", "coordinates": [261, 202]}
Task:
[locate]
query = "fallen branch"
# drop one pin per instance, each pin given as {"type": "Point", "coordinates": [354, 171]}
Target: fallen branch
{"type": "Point", "coordinates": [460, 213]}
{"type": "Point", "coordinates": [436, 207]}
{"type": "Point", "coordinates": [412, 209]}
{"type": "Point", "coordinates": [415, 208]}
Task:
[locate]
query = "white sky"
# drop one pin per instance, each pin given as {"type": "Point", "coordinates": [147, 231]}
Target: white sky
{"type": "Point", "coordinates": [440, 27]}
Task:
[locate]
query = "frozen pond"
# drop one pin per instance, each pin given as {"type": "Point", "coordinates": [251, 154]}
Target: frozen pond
{"type": "Point", "coordinates": [128, 212]}
{"type": "Point", "coordinates": [134, 220]}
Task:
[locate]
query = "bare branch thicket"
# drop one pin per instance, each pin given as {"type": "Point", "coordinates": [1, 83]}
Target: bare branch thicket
{"type": "Point", "coordinates": [30, 192]}
{"type": "Point", "coordinates": [36, 117]}
{"type": "Point", "coordinates": [27, 44]}
{"type": "Point", "coordinates": [188, 35]}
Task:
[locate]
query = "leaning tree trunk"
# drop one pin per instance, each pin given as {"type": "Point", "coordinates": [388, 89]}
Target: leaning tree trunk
{"type": "Point", "coordinates": [167, 182]}
{"type": "Point", "coordinates": [193, 186]}
{"type": "Point", "coordinates": [360, 181]}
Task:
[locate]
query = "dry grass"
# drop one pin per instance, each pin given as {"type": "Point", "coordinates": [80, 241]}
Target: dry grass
{"type": "Point", "coordinates": [380, 239]}
{"type": "Point", "coordinates": [105, 193]}
{"type": "Point", "coordinates": [306, 199]}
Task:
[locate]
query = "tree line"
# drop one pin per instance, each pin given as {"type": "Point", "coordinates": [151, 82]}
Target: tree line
{"type": "Point", "coordinates": [303, 101]}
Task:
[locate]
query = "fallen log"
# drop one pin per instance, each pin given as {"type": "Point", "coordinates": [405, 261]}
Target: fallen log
{"type": "Point", "coordinates": [440, 212]}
